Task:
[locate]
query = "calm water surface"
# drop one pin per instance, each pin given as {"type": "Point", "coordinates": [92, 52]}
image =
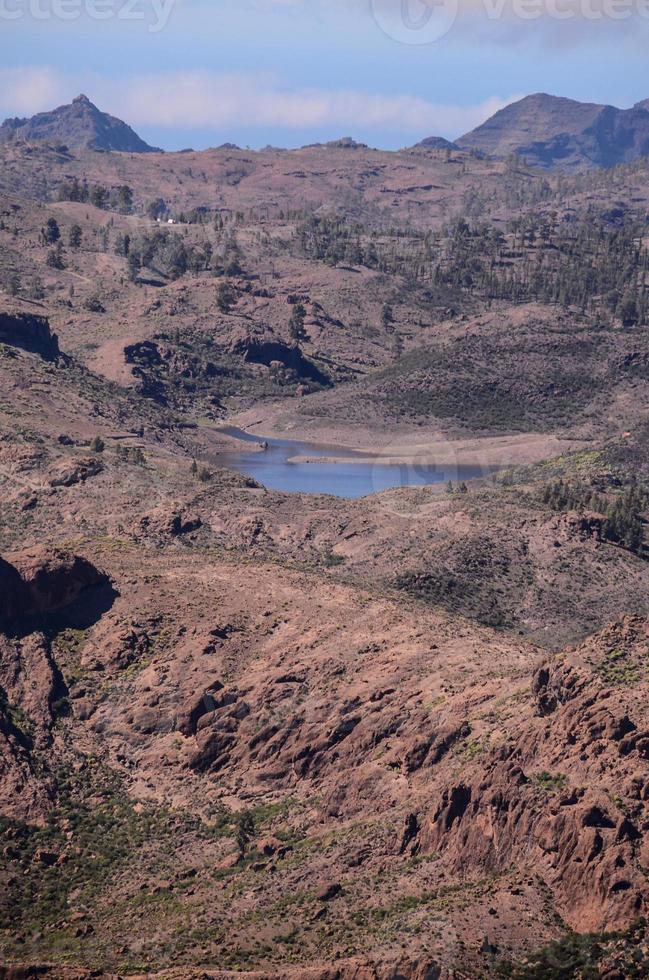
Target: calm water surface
{"type": "Point", "coordinates": [351, 480]}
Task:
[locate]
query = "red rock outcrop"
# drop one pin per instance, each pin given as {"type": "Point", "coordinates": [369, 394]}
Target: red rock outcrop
{"type": "Point", "coordinates": [69, 472]}
{"type": "Point", "coordinates": [567, 794]}
{"type": "Point", "coordinates": [13, 592]}
{"type": "Point", "coordinates": [53, 580]}
{"type": "Point", "coordinates": [167, 521]}
{"type": "Point", "coordinates": [35, 583]}
{"type": "Point", "coordinates": [29, 686]}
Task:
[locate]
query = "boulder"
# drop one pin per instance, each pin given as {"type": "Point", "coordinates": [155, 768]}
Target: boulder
{"type": "Point", "coordinates": [54, 579]}
{"type": "Point", "coordinates": [69, 472]}
{"type": "Point", "coordinates": [40, 581]}
{"type": "Point", "coordinates": [329, 891]}
{"type": "Point", "coordinates": [168, 522]}
{"type": "Point", "coordinates": [271, 351]}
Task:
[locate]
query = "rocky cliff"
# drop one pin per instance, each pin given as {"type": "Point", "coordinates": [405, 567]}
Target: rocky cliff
{"type": "Point", "coordinates": [30, 333]}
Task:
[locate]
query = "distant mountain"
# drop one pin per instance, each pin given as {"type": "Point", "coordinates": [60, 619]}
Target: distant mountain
{"type": "Point", "coordinates": [435, 143]}
{"type": "Point", "coordinates": [80, 125]}
{"type": "Point", "coordinates": [556, 133]}
{"type": "Point", "coordinates": [344, 143]}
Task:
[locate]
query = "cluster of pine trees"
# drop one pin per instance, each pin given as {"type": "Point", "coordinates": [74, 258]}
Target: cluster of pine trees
{"type": "Point", "coordinates": [334, 241]}
{"type": "Point", "coordinates": [588, 265]}
{"type": "Point", "coordinates": [167, 253]}
{"type": "Point", "coordinates": [109, 199]}
{"type": "Point", "coordinates": [585, 264]}
{"type": "Point", "coordinates": [624, 523]}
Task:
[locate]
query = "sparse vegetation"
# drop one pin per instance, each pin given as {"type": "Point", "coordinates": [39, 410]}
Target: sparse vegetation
{"type": "Point", "coordinates": [549, 782]}
{"type": "Point", "coordinates": [56, 258]}
{"type": "Point", "coordinates": [620, 668]}
{"type": "Point", "coordinates": [245, 831]}
{"type": "Point", "coordinates": [75, 236]}
{"type": "Point", "coordinates": [94, 305]}
{"type": "Point", "coordinates": [450, 680]}
{"type": "Point", "coordinates": [581, 957]}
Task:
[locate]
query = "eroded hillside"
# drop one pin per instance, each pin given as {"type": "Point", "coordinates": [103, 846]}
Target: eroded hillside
{"type": "Point", "coordinates": [299, 735]}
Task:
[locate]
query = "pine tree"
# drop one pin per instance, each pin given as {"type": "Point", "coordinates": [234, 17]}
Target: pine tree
{"type": "Point", "coordinates": [297, 330]}
{"type": "Point", "coordinates": [225, 297]}
{"type": "Point", "coordinates": [134, 266]}
{"type": "Point", "coordinates": [51, 232]}
{"type": "Point", "coordinates": [55, 257]}
{"type": "Point", "coordinates": [75, 236]}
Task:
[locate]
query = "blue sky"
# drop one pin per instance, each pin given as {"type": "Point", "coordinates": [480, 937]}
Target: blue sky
{"type": "Point", "coordinates": [287, 72]}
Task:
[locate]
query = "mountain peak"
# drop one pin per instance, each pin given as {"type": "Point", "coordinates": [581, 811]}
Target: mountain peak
{"type": "Point", "coordinates": [546, 99]}
{"type": "Point", "coordinates": [82, 100]}
{"type": "Point", "coordinates": [435, 143]}
{"type": "Point", "coordinates": [559, 133]}
{"type": "Point", "coordinates": [80, 125]}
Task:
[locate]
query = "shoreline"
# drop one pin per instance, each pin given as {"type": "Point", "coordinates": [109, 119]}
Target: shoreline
{"type": "Point", "coordinates": [489, 452]}
{"type": "Point", "coordinates": [408, 445]}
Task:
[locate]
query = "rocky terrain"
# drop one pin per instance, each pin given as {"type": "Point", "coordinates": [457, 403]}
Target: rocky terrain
{"type": "Point", "coordinates": [296, 735]}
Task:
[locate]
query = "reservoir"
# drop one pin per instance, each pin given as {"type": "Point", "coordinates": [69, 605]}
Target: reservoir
{"type": "Point", "coordinates": [294, 467]}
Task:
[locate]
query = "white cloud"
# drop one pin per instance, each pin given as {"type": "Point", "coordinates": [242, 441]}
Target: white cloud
{"type": "Point", "coordinates": [204, 100]}
{"type": "Point", "coordinates": [24, 91]}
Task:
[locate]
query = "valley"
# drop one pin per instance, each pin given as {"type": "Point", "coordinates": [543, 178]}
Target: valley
{"type": "Point", "coordinates": [325, 592]}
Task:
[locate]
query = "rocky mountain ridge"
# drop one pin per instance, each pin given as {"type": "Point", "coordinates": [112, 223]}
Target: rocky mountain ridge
{"type": "Point", "coordinates": [558, 133]}
{"type": "Point", "coordinates": [80, 125]}
{"type": "Point", "coordinates": [551, 132]}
